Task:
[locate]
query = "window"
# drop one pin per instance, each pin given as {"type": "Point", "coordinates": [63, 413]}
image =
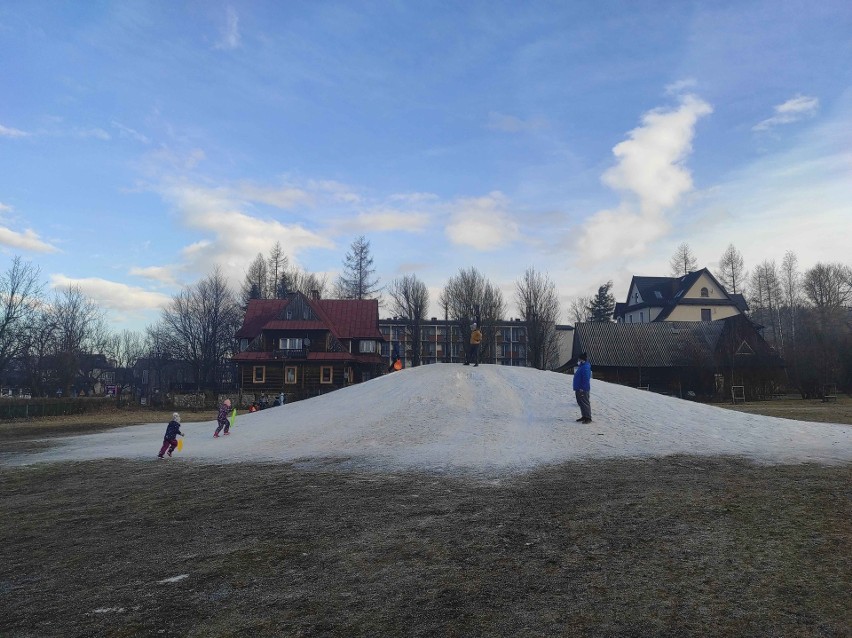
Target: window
{"type": "Point", "coordinates": [705, 314]}
{"type": "Point", "coordinates": [286, 343]}
{"type": "Point", "coordinates": [636, 297]}
{"type": "Point", "coordinates": [258, 374]}
{"type": "Point", "coordinates": [244, 345]}
{"type": "Point", "coordinates": [705, 292]}
{"type": "Point", "coordinates": [367, 346]}
{"type": "Point", "coordinates": [326, 374]}
{"type": "Point", "coordinates": [290, 375]}
{"type": "Point", "coordinates": [641, 317]}
{"type": "Point", "coordinates": [349, 375]}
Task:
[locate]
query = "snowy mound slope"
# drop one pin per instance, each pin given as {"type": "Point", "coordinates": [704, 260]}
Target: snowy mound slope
{"type": "Point", "coordinates": [448, 417]}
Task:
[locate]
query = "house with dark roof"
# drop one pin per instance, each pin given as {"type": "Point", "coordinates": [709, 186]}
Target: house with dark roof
{"type": "Point", "coordinates": [305, 346]}
{"type": "Point", "coordinates": [697, 296]}
{"type": "Point", "coordinates": [678, 357]}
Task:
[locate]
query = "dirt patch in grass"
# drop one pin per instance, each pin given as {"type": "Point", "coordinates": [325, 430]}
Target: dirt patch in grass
{"type": "Point", "coordinates": [839, 411]}
{"type": "Point", "coordinates": [661, 547]}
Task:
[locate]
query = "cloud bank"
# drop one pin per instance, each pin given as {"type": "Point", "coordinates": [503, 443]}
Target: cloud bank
{"type": "Point", "coordinates": [650, 176]}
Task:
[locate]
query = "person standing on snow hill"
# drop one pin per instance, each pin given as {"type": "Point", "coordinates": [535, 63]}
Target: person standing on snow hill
{"type": "Point", "coordinates": [473, 352]}
{"type": "Point", "coordinates": [582, 385]}
{"type": "Point", "coordinates": [172, 433]}
{"type": "Point", "coordinates": [222, 418]}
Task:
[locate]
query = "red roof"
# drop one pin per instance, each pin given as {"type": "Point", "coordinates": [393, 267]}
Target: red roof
{"type": "Point", "coordinates": [353, 318]}
{"type": "Point", "coordinates": [344, 318]}
{"type": "Point", "coordinates": [258, 313]}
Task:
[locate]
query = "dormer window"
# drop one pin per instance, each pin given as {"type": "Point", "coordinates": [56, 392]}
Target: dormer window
{"type": "Point", "coordinates": [705, 292]}
{"type": "Point", "coordinates": [368, 347]}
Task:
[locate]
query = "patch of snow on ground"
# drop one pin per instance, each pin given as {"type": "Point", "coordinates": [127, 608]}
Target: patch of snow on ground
{"type": "Point", "coordinates": [451, 418]}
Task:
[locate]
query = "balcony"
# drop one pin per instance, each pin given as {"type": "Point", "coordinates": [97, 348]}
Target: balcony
{"type": "Point", "coordinates": [290, 353]}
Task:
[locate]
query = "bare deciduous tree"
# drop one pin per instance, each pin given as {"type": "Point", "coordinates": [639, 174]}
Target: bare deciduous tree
{"type": "Point", "coordinates": [78, 328]}
{"type": "Point", "coordinates": [20, 295]}
{"type": "Point", "coordinates": [409, 298]}
{"type": "Point", "coordinates": [469, 297]}
{"type": "Point", "coordinates": [765, 291]}
{"type": "Point", "coordinates": [578, 309]}
{"type": "Point", "coordinates": [125, 348]}
{"type": "Point", "coordinates": [198, 327]}
{"type": "Point", "coordinates": [732, 271]}
{"type": "Point", "coordinates": [276, 265]}
{"type": "Point", "coordinates": [683, 261]}
{"type": "Point", "coordinates": [828, 285]}
{"type": "Point", "coordinates": [538, 304]}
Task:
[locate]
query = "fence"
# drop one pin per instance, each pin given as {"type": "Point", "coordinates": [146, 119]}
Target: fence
{"type": "Point", "coordinates": [31, 408]}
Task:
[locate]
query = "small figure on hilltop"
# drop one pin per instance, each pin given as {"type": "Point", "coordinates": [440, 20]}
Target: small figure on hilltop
{"type": "Point", "coordinates": [172, 433]}
{"type": "Point", "coordinates": [473, 351]}
{"type": "Point", "coordinates": [222, 418]}
{"type": "Point", "coordinates": [582, 386]}
{"type": "Point", "coordinates": [395, 364]}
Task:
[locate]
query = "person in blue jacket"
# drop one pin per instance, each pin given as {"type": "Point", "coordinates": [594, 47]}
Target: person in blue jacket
{"type": "Point", "coordinates": [582, 385]}
{"type": "Point", "coordinates": [170, 438]}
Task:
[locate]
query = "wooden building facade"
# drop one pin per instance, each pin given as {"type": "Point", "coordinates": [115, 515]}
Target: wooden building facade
{"type": "Point", "coordinates": [304, 346]}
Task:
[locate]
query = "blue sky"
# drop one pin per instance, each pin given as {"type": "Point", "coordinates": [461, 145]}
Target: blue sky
{"type": "Point", "coordinates": [141, 143]}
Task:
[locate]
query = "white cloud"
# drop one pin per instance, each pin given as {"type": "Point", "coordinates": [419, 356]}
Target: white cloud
{"type": "Point", "coordinates": [513, 124]}
{"type": "Point", "coordinates": [384, 219]}
{"type": "Point", "coordinates": [97, 133]}
{"type": "Point", "coordinates": [5, 131]}
{"type": "Point", "coordinates": [235, 237]}
{"type": "Point", "coordinates": [162, 274]}
{"type": "Point", "coordinates": [113, 295]}
{"type": "Point", "coordinates": [284, 197]}
{"type": "Point", "coordinates": [681, 86]}
{"type": "Point", "coordinates": [482, 222]}
{"type": "Point", "coordinates": [26, 240]}
{"type": "Point", "coordinates": [127, 132]}
{"type": "Point", "coordinates": [651, 178]}
{"type": "Point", "coordinates": [230, 36]}
{"type": "Point", "coordinates": [5, 208]}
{"type": "Point", "coordinates": [792, 110]}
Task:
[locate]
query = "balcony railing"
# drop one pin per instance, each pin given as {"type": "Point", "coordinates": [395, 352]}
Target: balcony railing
{"type": "Point", "coordinates": [290, 353]}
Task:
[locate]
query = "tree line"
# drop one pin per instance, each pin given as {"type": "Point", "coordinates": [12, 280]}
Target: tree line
{"type": "Point", "coordinates": [60, 339]}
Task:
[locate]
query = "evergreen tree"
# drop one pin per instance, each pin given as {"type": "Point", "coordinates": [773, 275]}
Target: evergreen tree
{"type": "Point", "coordinates": [603, 304]}
{"type": "Point", "coordinates": [357, 281]}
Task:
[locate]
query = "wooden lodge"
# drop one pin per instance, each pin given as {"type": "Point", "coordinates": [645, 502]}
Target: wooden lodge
{"type": "Point", "coordinates": [304, 346]}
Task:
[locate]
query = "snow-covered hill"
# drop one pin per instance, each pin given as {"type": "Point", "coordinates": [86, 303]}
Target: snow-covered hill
{"type": "Point", "coordinates": [448, 417]}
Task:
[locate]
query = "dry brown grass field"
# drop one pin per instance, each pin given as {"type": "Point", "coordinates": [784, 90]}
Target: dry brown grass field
{"type": "Point", "coordinates": [677, 546]}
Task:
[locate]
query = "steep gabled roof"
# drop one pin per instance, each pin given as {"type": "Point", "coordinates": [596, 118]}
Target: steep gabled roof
{"type": "Point", "coordinates": [344, 318]}
{"type": "Point", "coordinates": [668, 292]}
{"type": "Point", "coordinates": [258, 313]}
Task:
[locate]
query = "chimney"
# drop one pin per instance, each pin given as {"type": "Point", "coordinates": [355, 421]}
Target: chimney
{"type": "Point", "coordinates": [314, 294]}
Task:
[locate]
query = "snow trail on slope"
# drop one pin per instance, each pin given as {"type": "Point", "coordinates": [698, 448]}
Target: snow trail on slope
{"type": "Point", "coordinates": [453, 418]}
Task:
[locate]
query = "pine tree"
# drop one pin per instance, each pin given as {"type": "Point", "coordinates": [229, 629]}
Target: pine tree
{"type": "Point", "coordinates": [357, 280]}
{"type": "Point", "coordinates": [602, 304]}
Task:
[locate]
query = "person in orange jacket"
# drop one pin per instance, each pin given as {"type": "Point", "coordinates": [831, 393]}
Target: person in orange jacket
{"type": "Point", "coordinates": [473, 351]}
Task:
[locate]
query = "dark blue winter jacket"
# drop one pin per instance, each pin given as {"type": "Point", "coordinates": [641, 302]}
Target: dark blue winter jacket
{"type": "Point", "coordinates": [172, 430]}
{"type": "Point", "coordinates": [583, 377]}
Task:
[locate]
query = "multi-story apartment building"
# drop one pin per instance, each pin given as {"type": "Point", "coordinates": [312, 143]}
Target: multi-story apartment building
{"type": "Point", "coordinates": [443, 341]}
